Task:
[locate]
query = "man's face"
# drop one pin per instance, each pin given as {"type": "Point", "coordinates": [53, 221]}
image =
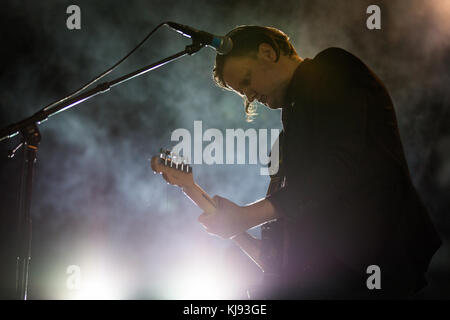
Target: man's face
{"type": "Point", "coordinates": [258, 78]}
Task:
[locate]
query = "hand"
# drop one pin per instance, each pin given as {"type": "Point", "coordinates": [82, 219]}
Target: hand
{"type": "Point", "coordinates": [228, 220]}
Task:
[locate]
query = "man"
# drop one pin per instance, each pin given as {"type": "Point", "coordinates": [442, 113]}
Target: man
{"type": "Point", "coordinates": [344, 202]}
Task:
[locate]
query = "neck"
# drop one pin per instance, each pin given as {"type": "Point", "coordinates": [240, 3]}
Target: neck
{"type": "Point", "coordinates": [290, 64]}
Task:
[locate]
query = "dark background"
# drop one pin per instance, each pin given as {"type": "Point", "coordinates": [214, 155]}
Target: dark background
{"type": "Point", "coordinates": [96, 203]}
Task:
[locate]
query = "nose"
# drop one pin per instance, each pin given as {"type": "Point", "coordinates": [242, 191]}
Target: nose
{"type": "Point", "coordinates": [250, 94]}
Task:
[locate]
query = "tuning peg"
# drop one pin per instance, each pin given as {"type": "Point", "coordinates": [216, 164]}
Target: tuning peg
{"type": "Point", "coordinates": [164, 152]}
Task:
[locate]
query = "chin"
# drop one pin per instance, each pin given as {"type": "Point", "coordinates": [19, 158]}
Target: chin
{"type": "Point", "coordinates": [270, 105]}
{"type": "Point", "coordinates": [273, 105]}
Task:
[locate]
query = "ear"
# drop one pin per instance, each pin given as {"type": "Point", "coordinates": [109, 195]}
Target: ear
{"type": "Point", "coordinates": [266, 52]}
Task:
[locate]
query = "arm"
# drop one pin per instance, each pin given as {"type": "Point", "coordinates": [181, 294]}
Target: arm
{"type": "Point", "coordinates": [231, 220]}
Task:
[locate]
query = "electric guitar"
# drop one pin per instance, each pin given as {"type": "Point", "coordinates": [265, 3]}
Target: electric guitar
{"type": "Point", "coordinates": [176, 172]}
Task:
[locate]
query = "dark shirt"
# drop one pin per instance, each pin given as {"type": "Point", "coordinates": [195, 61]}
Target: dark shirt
{"type": "Point", "coordinates": [348, 201]}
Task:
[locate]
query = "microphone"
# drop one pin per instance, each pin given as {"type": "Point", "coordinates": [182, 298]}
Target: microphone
{"type": "Point", "coordinates": [223, 45]}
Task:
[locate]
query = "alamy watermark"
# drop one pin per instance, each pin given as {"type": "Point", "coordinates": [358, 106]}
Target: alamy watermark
{"type": "Point", "coordinates": [374, 20]}
{"type": "Point", "coordinates": [73, 281]}
{"type": "Point", "coordinates": [73, 21]}
{"type": "Point", "coordinates": [235, 147]}
{"type": "Point", "coordinates": [374, 280]}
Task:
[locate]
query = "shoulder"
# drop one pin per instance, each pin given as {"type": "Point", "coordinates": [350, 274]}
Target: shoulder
{"type": "Point", "coordinates": [337, 56]}
{"type": "Point", "coordinates": [341, 63]}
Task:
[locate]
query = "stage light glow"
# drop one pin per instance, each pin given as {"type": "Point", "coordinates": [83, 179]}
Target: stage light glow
{"type": "Point", "coordinates": [96, 278]}
{"type": "Point", "coordinates": [440, 11]}
{"type": "Point", "coordinates": [200, 280]}
{"type": "Point", "coordinates": [98, 287]}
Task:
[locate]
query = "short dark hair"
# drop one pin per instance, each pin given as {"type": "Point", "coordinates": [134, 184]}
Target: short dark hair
{"type": "Point", "coordinates": [246, 40]}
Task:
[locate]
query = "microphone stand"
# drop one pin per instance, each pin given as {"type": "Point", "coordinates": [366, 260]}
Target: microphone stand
{"type": "Point", "coordinates": [30, 141]}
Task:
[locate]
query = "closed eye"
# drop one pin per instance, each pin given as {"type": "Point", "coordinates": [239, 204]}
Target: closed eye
{"type": "Point", "coordinates": [245, 82]}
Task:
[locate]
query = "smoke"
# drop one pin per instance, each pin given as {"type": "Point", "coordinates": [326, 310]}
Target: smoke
{"type": "Point", "coordinates": [93, 181]}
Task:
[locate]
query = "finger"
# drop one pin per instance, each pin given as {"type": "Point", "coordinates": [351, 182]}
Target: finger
{"type": "Point", "coordinates": [201, 218]}
{"type": "Point", "coordinates": [211, 233]}
{"type": "Point", "coordinates": [208, 230]}
{"type": "Point", "coordinates": [217, 201]}
{"type": "Point", "coordinates": [204, 218]}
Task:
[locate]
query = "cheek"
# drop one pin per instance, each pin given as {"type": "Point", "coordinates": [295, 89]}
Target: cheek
{"type": "Point", "coordinates": [263, 83]}
{"type": "Point", "coordinates": [270, 78]}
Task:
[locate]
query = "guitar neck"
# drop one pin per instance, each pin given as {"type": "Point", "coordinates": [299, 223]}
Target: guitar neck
{"type": "Point", "coordinates": [200, 198]}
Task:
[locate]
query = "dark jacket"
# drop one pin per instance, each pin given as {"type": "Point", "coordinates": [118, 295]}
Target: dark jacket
{"type": "Point", "coordinates": [348, 201]}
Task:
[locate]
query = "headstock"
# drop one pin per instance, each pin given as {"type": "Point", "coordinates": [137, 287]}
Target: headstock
{"type": "Point", "coordinates": [173, 168]}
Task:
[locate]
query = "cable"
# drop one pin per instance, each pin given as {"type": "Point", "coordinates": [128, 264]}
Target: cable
{"type": "Point", "coordinates": [84, 87]}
